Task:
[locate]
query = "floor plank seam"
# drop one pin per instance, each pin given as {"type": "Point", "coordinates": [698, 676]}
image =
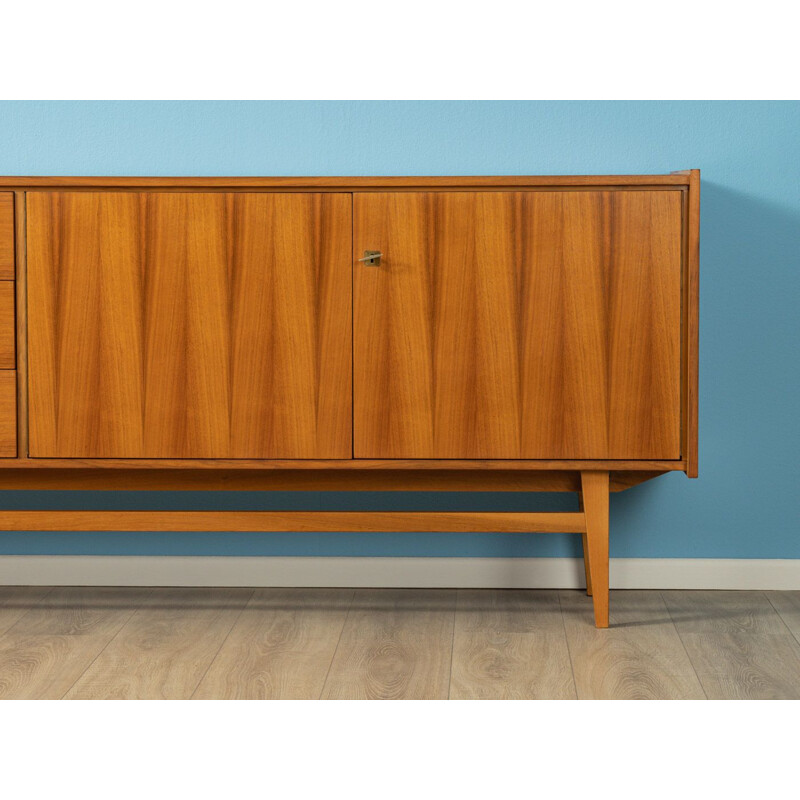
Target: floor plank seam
{"type": "Point", "coordinates": [222, 644]}
{"type": "Point", "coordinates": [35, 604]}
{"type": "Point", "coordinates": [338, 642]}
{"type": "Point", "coordinates": [785, 623]}
{"type": "Point", "coordinates": [105, 646]}
{"type": "Point", "coordinates": [569, 651]}
{"type": "Point", "coordinates": [683, 645]}
{"type": "Point", "coordinates": [99, 644]}
{"type": "Point", "coordinates": [453, 646]}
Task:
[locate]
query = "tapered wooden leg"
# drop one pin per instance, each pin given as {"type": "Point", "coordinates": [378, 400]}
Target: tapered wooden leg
{"type": "Point", "coordinates": [594, 491]}
{"type": "Point", "coordinates": [585, 552]}
{"type": "Point", "coordinates": [586, 567]}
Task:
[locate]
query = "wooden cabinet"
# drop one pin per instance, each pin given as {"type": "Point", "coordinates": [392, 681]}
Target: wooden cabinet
{"type": "Point", "coordinates": [515, 333]}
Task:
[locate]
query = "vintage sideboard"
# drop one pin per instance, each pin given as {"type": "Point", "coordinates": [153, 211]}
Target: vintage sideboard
{"type": "Point", "coordinates": [408, 333]}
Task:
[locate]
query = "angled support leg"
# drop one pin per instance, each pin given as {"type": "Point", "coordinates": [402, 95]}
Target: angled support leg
{"type": "Point", "coordinates": [585, 551]}
{"type": "Point", "coordinates": [594, 499]}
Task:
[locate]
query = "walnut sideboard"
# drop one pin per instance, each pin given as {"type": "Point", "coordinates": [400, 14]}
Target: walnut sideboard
{"type": "Point", "coordinates": [462, 333]}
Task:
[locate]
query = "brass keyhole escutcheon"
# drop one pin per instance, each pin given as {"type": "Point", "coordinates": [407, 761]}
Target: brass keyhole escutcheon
{"type": "Point", "coordinates": [372, 258]}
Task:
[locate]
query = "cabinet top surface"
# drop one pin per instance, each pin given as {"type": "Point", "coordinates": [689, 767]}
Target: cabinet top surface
{"type": "Point", "coordinates": [678, 179]}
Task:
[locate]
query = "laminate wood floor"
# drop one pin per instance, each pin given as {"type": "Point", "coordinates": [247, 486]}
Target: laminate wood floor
{"type": "Point", "coordinates": [103, 643]}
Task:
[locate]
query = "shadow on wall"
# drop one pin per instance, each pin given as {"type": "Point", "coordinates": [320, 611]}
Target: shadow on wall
{"type": "Point", "coordinates": [749, 358]}
{"type": "Point", "coordinates": [741, 505]}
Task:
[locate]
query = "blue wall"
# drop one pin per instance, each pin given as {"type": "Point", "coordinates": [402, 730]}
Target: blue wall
{"type": "Point", "coordinates": [744, 505]}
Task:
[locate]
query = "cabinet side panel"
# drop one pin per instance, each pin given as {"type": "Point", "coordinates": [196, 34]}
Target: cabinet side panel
{"type": "Point", "coordinates": [691, 330]}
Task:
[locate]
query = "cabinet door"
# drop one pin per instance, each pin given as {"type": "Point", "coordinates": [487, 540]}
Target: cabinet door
{"type": "Point", "coordinates": [189, 325]}
{"type": "Point", "coordinates": [518, 325]}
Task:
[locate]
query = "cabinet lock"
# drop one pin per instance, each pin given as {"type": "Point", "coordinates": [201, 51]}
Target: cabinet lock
{"type": "Point", "coordinates": [372, 258]}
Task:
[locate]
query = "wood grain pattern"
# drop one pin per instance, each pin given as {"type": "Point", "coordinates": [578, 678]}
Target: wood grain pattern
{"type": "Point", "coordinates": [280, 648]}
{"type": "Point", "coordinates": [751, 666]}
{"type": "Point", "coordinates": [17, 601]}
{"type": "Point", "coordinates": [81, 611]}
{"type": "Point", "coordinates": [740, 647]}
{"type": "Point", "coordinates": [7, 326]}
{"type": "Point", "coordinates": [8, 414]}
{"type": "Point", "coordinates": [346, 464]}
{"type": "Point", "coordinates": [44, 667]}
{"type": "Point", "coordinates": [737, 642]}
{"type": "Point", "coordinates": [585, 550]}
{"type": "Point", "coordinates": [291, 480]}
{"type": "Point", "coordinates": [723, 612]}
{"type": "Point", "coordinates": [594, 501]}
{"type": "Point", "coordinates": [172, 641]}
{"type": "Point", "coordinates": [189, 325]}
{"type": "Point", "coordinates": [301, 521]}
{"type": "Point", "coordinates": [307, 480]}
{"type": "Point", "coordinates": [58, 636]}
{"type": "Point", "coordinates": [20, 218]}
{"type": "Point", "coordinates": [518, 325]}
{"type": "Point", "coordinates": [639, 657]}
{"type": "Point", "coordinates": [6, 236]}
{"type": "Point", "coordinates": [510, 645]}
{"type": "Point", "coordinates": [394, 646]}
{"type": "Point", "coordinates": [586, 572]}
{"type": "Point", "coordinates": [338, 183]}
{"type": "Point", "coordinates": [787, 604]}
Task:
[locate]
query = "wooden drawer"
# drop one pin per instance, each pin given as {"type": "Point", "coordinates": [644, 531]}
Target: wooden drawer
{"type": "Point", "coordinates": [6, 236]}
{"type": "Point", "coordinates": [7, 347]}
{"type": "Point", "coordinates": [8, 414]}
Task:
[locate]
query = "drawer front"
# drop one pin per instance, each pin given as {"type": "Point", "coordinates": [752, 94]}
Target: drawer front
{"type": "Point", "coordinates": [8, 414]}
{"type": "Point", "coordinates": [6, 236]}
{"type": "Point", "coordinates": [7, 348]}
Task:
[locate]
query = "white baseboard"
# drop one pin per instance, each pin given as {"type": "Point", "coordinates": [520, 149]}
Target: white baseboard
{"type": "Point", "coordinates": [523, 573]}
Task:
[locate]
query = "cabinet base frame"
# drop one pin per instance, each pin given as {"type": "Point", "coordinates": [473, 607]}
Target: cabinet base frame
{"type": "Point", "coordinates": [591, 521]}
{"type": "Point", "coordinates": [34, 476]}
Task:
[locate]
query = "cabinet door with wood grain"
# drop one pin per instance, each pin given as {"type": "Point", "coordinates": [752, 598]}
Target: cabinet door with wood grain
{"type": "Point", "coordinates": [541, 324]}
{"type": "Point", "coordinates": [189, 325]}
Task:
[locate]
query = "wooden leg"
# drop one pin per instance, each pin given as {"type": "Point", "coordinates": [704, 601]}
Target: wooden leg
{"type": "Point", "coordinates": [594, 490]}
{"type": "Point", "coordinates": [585, 552]}
{"type": "Point", "coordinates": [586, 567]}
